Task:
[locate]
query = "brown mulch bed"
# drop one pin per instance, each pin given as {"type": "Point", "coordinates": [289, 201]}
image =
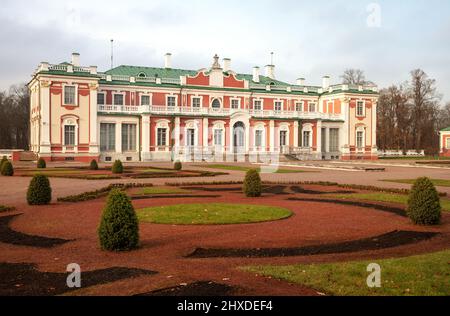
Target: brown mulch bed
{"type": "Point", "coordinates": [22, 279]}
{"type": "Point", "coordinates": [199, 288]}
{"type": "Point", "coordinates": [391, 239]}
{"type": "Point", "coordinates": [9, 236]}
{"type": "Point", "coordinates": [379, 207]}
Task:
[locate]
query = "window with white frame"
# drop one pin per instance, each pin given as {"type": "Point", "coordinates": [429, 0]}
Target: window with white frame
{"type": "Point", "coordinates": [69, 135]}
{"type": "Point", "coordinates": [312, 107]}
{"type": "Point", "coordinates": [235, 103]}
{"type": "Point", "coordinates": [215, 104]}
{"type": "Point", "coordinates": [118, 99]}
{"type": "Point", "coordinates": [306, 139]}
{"type": "Point", "coordinates": [196, 102]}
{"type": "Point", "coordinates": [101, 98]}
{"type": "Point", "coordinates": [299, 106]}
{"type": "Point", "coordinates": [447, 141]}
{"type": "Point", "coordinates": [334, 139]}
{"type": "Point", "coordinates": [257, 105]}
{"type": "Point", "coordinates": [277, 106]}
{"type": "Point", "coordinates": [107, 136]}
{"type": "Point", "coordinates": [218, 133]}
{"type": "Point", "coordinates": [360, 108]}
{"type": "Point", "coordinates": [171, 101]}
{"type": "Point", "coordinates": [161, 138]}
{"type": "Point", "coordinates": [258, 138]}
{"type": "Point", "coordinates": [128, 137]}
{"type": "Point", "coordinates": [70, 95]}
{"type": "Point", "coordinates": [145, 99]}
{"type": "Point", "coordinates": [360, 139]}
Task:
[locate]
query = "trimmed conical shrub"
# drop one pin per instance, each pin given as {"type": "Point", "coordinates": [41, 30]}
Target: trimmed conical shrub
{"type": "Point", "coordinates": [41, 164]}
{"type": "Point", "coordinates": [4, 159]}
{"type": "Point", "coordinates": [7, 169]}
{"type": "Point", "coordinates": [117, 167]}
{"type": "Point", "coordinates": [177, 165]}
{"type": "Point", "coordinates": [93, 165]}
{"type": "Point", "coordinates": [119, 228]}
{"type": "Point", "coordinates": [424, 206]}
{"type": "Point", "coordinates": [252, 183]}
{"type": "Point", "coordinates": [39, 191]}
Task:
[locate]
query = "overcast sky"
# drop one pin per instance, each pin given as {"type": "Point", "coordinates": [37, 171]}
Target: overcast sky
{"type": "Point", "coordinates": [309, 38]}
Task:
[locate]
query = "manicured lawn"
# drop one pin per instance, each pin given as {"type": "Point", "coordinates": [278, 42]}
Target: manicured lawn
{"type": "Point", "coordinates": [162, 190]}
{"type": "Point", "coordinates": [425, 275]}
{"type": "Point", "coordinates": [211, 213]}
{"type": "Point", "coordinates": [245, 169]}
{"type": "Point", "coordinates": [436, 182]}
{"type": "Point", "coordinates": [384, 197]}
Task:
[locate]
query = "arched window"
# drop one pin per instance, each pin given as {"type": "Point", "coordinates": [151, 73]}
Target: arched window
{"type": "Point", "coordinates": [215, 104]}
{"type": "Point", "coordinates": [142, 75]}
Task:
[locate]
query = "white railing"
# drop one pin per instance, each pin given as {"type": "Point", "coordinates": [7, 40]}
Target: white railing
{"type": "Point", "coordinates": [295, 114]}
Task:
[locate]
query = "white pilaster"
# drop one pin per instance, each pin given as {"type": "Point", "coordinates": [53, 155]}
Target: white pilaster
{"type": "Point", "coordinates": [374, 126]}
{"type": "Point", "coordinates": [327, 139]}
{"type": "Point", "coordinates": [295, 144]}
{"type": "Point", "coordinates": [93, 143]}
{"type": "Point", "coordinates": [319, 137]}
{"type": "Point", "coordinates": [272, 135]}
{"type": "Point", "coordinates": [145, 136]}
{"type": "Point", "coordinates": [344, 142]}
{"type": "Point", "coordinates": [176, 133]}
{"type": "Point", "coordinates": [205, 133]}
{"type": "Point", "coordinates": [45, 120]}
{"type": "Point", "coordinates": [118, 138]}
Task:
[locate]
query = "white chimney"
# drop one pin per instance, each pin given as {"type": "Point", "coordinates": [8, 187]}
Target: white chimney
{"type": "Point", "coordinates": [270, 71]}
{"type": "Point", "coordinates": [75, 59]}
{"type": "Point", "coordinates": [256, 74]}
{"type": "Point", "coordinates": [325, 82]}
{"type": "Point", "coordinates": [300, 81]}
{"type": "Point", "coordinates": [226, 64]}
{"type": "Point", "coordinates": [168, 60]}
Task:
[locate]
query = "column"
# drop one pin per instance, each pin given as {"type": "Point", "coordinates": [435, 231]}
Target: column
{"type": "Point", "coordinates": [248, 132]}
{"type": "Point", "coordinates": [118, 137]}
{"type": "Point", "coordinates": [272, 135]}
{"type": "Point", "coordinates": [374, 127]}
{"type": "Point", "coordinates": [145, 154]}
{"type": "Point", "coordinates": [93, 143]}
{"type": "Point", "coordinates": [327, 139]}
{"type": "Point", "coordinates": [345, 130]}
{"type": "Point", "coordinates": [295, 144]}
{"type": "Point", "coordinates": [205, 134]}
{"type": "Point", "coordinates": [319, 138]}
{"type": "Point", "coordinates": [45, 120]}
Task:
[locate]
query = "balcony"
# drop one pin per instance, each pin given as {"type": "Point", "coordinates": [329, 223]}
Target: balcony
{"type": "Point", "coordinates": [203, 111]}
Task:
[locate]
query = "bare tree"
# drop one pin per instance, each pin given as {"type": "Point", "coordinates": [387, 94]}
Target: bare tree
{"type": "Point", "coordinates": [354, 76]}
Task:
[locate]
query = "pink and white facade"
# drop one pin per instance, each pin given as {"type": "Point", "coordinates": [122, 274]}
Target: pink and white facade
{"type": "Point", "coordinates": [213, 114]}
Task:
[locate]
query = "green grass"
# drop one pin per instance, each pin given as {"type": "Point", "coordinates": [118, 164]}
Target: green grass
{"type": "Point", "coordinates": [384, 197]}
{"type": "Point", "coordinates": [436, 182]}
{"type": "Point", "coordinates": [211, 213]}
{"type": "Point", "coordinates": [245, 169]}
{"type": "Point", "coordinates": [422, 275]}
{"type": "Point", "coordinates": [416, 158]}
{"type": "Point", "coordinates": [162, 190]}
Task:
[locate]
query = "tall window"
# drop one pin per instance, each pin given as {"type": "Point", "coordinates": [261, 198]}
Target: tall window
{"type": "Point", "coordinates": [118, 99]}
{"type": "Point", "coordinates": [161, 139]}
{"type": "Point", "coordinates": [69, 95]}
{"type": "Point", "coordinates": [107, 136]}
{"type": "Point", "coordinates": [447, 140]}
{"type": "Point", "coordinates": [360, 108]}
{"type": "Point", "coordinates": [69, 135]}
{"type": "Point", "coordinates": [283, 138]}
{"type": "Point", "coordinates": [235, 104]}
{"type": "Point", "coordinates": [101, 98]}
{"type": "Point", "coordinates": [334, 139]}
{"type": "Point", "coordinates": [257, 105]}
{"type": "Point", "coordinates": [215, 104]}
{"type": "Point", "coordinates": [360, 139]}
{"type": "Point", "coordinates": [145, 100]}
{"type": "Point", "coordinates": [277, 106]}
{"type": "Point", "coordinates": [299, 106]}
{"type": "Point", "coordinates": [258, 138]}
{"type": "Point", "coordinates": [195, 102]}
{"type": "Point", "coordinates": [312, 107]}
{"type": "Point", "coordinates": [306, 140]}
{"type": "Point", "coordinates": [171, 101]}
{"type": "Point", "coordinates": [218, 137]}
{"type": "Point", "coordinates": [128, 137]}
{"type": "Point", "coordinates": [190, 137]}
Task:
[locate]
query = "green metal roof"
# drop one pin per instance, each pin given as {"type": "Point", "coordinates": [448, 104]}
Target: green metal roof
{"type": "Point", "coordinates": [447, 129]}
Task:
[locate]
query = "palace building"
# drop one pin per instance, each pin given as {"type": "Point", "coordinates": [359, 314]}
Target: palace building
{"type": "Point", "coordinates": [213, 114]}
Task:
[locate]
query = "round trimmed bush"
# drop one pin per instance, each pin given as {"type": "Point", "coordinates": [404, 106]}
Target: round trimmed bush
{"type": "Point", "coordinates": [252, 183]}
{"type": "Point", "coordinates": [39, 191]}
{"type": "Point", "coordinates": [117, 167]}
{"type": "Point", "coordinates": [119, 228]}
{"type": "Point", "coordinates": [41, 164]}
{"type": "Point", "coordinates": [4, 159]}
{"type": "Point", "coordinates": [93, 165]}
{"type": "Point", "coordinates": [7, 169]}
{"type": "Point", "coordinates": [424, 207]}
{"type": "Point", "coordinates": [177, 165]}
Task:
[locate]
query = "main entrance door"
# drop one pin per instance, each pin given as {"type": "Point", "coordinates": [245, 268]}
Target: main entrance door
{"type": "Point", "coordinates": [239, 137]}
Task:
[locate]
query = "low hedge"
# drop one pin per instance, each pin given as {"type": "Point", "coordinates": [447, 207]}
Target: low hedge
{"type": "Point", "coordinates": [4, 208]}
{"type": "Point", "coordinates": [92, 195]}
